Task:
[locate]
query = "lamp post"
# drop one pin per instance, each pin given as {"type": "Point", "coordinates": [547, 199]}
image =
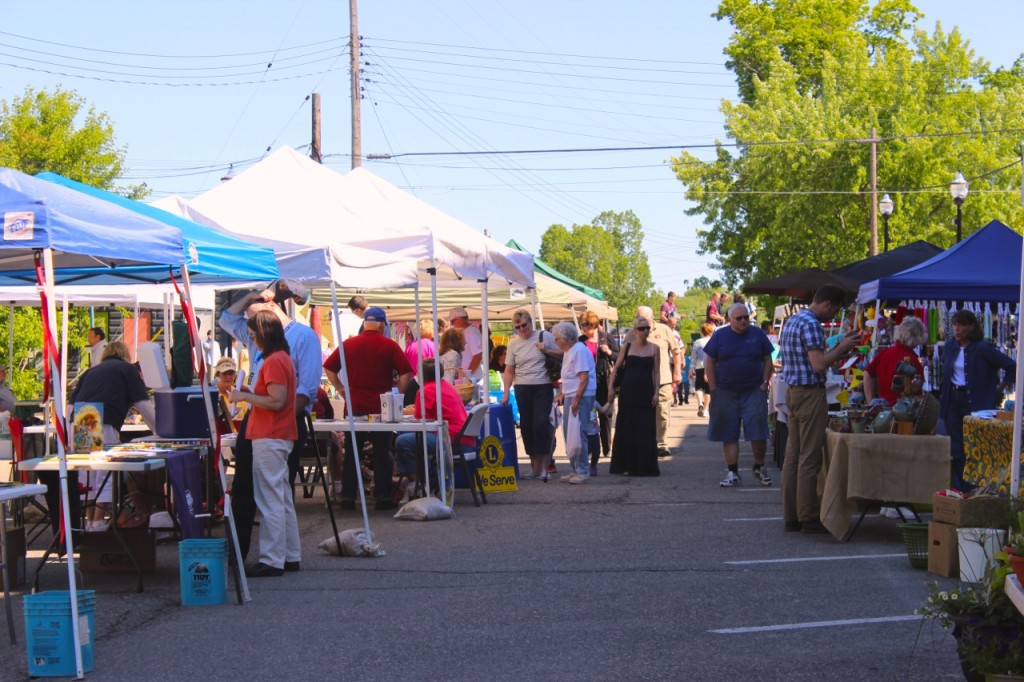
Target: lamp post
{"type": "Point", "coordinates": [958, 190]}
{"type": "Point", "coordinates": [885, 207]}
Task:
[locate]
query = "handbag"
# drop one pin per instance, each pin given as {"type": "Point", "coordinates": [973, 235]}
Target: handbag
{"type": "Point", "coordinates": [552, 365]}
{"type": "Point", "coordinates": [617, 381]}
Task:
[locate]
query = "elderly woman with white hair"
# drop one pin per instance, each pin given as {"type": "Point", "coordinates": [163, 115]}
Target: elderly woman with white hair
{"type": "Point", "coordinates": [878, 375]}
{"type": "Point", "coordinates": [579, 391]}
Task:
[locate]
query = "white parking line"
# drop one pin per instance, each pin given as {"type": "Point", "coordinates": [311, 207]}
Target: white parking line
{"type": "Point", "coordinates": [816, 558]}
{"type": "Point", "coordinates": [761, 489]}
{"type": "Point", "coordinates": [759, 518]}
{"type": "Point", "coordinates": [815, 624]}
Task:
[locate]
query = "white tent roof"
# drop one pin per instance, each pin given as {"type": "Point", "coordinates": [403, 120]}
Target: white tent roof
{"type": "Point", "coordinates": [314, 263]}
{"type": "Point", "coordinates": [287, 196]}
{"type": "Point", "coordinates": [368, 195]}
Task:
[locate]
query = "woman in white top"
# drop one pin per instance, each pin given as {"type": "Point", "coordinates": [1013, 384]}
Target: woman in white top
{"type": "Point", "coordinates": [700, 384]}
{"type": "Point", "coordinates": [579, 391]}
{"type": "Point", "coordinates": [524, 367]}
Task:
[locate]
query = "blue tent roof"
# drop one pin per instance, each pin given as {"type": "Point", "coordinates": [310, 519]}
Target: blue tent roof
{"type": "Point", "coordinates": [84, 232]}
{"type": "Point", "coordinates": [983, 267]}
{"type": "Point", "coordinates": [211, 255]}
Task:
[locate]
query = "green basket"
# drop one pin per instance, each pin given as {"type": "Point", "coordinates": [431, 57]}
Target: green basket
{"type": "Point", "coordinates": [915, 539]}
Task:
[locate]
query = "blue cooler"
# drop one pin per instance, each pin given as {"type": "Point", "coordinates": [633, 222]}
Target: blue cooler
{"type": "Point", "coordinates": [181, 412]}
{"type": "Point", "coordinates": [504, 429]}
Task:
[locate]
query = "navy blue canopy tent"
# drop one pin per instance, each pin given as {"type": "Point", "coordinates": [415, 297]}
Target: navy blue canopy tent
{"type": "Point", "coordinates": [983, 267]}
{"type": "Point", "coordinates": [211, 255]}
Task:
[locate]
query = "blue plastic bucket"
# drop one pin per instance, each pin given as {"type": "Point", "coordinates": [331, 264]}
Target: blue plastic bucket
{"type": "Point", "coordinates": [203, 571]}
{"type": "Point", "coordinates": [48, 634]}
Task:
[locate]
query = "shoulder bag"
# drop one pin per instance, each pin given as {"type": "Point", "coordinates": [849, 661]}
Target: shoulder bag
{"type": "Point", "coordinates": [552, 364]}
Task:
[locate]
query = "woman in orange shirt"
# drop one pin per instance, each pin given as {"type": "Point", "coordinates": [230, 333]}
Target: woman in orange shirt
{"type": "Point", "coordinates": [272, 430]}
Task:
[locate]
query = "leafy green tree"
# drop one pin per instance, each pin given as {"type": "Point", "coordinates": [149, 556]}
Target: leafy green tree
{"type": "Point", "coordinates": [815, 77]}
{"type": "Point", "coordinates": [607, 254]}
{"type": "Point", "coordinates": [54, 131]}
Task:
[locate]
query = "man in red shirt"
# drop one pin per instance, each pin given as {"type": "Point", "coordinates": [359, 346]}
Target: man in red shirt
{"type": "Point", "coordinates": [372, 361]}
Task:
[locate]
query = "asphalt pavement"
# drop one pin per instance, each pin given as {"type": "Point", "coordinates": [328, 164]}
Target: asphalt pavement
{"type": "Point", "coordinates": [668, 578]}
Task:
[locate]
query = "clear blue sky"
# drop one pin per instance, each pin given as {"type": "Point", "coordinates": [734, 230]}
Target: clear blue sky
{"type": "Point", "coordinates": [187, 86]}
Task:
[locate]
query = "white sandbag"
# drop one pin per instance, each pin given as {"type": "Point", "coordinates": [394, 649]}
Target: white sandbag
{"type": "Point", "coordinates": [425, 509]}
{"type": "Point", "coordinates": [353, 543]}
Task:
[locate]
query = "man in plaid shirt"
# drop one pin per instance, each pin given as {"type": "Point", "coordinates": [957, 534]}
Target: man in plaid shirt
{"type": "Point", "coordinates": [804, 361]}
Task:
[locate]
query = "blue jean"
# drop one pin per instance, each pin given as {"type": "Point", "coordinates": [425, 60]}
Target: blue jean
{"type": "Point", "coordinates": [580, 464]}
{"type": "Point", "coordinates": [731, 408]}
{"type": "Point", "coordinates": [407, 453]}
{"type": "Point", "coordinates": [959, 406]}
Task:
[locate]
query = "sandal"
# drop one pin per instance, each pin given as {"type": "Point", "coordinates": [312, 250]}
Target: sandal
{"type": "Point", "coordinates": [130, 517]}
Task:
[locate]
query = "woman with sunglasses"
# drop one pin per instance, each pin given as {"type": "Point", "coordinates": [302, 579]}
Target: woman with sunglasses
{"type": "Point", "coordinates": [635, 450]}
{"type": "Point", "coordinates": [524, 367]}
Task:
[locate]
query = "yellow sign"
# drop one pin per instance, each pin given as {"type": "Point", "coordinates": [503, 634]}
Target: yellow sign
{"type": "Point", "coordinates": [495, 477]}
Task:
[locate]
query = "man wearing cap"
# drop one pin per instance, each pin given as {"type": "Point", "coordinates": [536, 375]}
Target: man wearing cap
{"type": "Point", "coordinates": [473, 353]}
{"type": "Point", "coordinates": [371, 361]}
{"type": "Point", "coordinates": [304, 347]}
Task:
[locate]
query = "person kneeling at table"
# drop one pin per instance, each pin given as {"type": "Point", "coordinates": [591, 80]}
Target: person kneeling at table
{"type": "Point", "coordinates": [452, 411]}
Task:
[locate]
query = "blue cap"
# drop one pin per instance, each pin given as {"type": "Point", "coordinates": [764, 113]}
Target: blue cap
{"type": "Point", "coordinates": [375, 314]}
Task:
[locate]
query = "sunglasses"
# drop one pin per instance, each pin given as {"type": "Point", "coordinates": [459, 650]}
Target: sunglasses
{"type": "Point", "coordinates": [741, 318]}
{"type": "Point", "coordinates": [524, 325]}
{"type": "Point", "coordinates": [643, 329]}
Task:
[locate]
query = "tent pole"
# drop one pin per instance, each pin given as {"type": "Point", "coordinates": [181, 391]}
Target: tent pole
{"type": "Point", "coordinates": [211, 419]}
{"type": "Point", "coordinates": [485, 356]}
{"type": "Point", "coordinates": [356, 455]}
{"type": "Point", "coordinates": [441, 461]}
{"type": "Point", "coordinates": [62, 459]}
{"type": "Point", "coordinates": [10, 342]}
{"type": "Point", "coordinates": [64, 327]}
{"type": "Point", "coordinates": [422, 386]}
{"type": "Point", "coordinates": [135, 334]}
{"type": "Point", "coordinates": [1018, 407]}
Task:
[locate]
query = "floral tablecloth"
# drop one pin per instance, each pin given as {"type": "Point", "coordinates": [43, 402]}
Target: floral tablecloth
{"type": "Point", "coordinates": [987, 444]}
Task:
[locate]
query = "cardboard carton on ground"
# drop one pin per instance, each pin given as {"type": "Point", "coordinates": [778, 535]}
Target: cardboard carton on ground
{"type": "Point", "coordinates": [982, 511]}
{"type": "Point", "coordinates": [943, 555]}
{"type": "Point", "coordinates": [102, 553]}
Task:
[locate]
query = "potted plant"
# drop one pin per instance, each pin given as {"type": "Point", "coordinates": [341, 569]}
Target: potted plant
{"type": "Point", "coordinates": [1015, 548]}
{"type": "Point", "coordinates": [988, 628]}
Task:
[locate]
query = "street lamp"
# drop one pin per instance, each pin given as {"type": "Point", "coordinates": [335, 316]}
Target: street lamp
{"type": "Point", "coordinates": [958, 190]}
{"type": "Point", "coordinates": [885, 207]}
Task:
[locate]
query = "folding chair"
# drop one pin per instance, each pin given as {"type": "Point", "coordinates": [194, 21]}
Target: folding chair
{"type": "Point", "coordinates": [463, 454]}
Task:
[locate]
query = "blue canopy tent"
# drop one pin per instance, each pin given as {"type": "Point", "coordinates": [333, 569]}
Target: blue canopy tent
{"type": "Point", "coordinates": [984, 267]}
{"type": "Point", "coordinates": [211, 255]}
{"type": "Point", "coordinates": [47, 229]}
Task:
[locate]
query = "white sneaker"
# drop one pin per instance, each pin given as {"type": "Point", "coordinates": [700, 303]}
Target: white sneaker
{"type": "Point", "coordinates": [566, 478]}
{"type": "Point", "coordinates": [761, 474]}
{"type": "Point", "coordinates": [577, 479]}
{"type": "Point", "coordinates": [731, 480]}
{"type": "Point", "coordinates": [888, 513]}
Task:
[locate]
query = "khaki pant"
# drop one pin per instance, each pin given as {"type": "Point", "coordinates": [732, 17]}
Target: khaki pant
{"type": "Point", "coordinates": [805, 453]}
{"type": "Point", "coordinates": [663, 414]}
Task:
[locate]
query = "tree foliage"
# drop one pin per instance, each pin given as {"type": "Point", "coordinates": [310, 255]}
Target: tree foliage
{"type": "Point", "coordinates": [54, 131]}
{"type": "Point", "coordinates": [606, 254]}
{"type": "Point", "coordinates": [815, 76]}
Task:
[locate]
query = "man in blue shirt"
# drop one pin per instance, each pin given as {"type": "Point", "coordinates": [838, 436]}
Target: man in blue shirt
{"type": "Point", "coordinates": [804, 361]}
{"type": "Point", "coordinates": [737, 367]}
{"type": "Point", "coordinates": [304, 348]}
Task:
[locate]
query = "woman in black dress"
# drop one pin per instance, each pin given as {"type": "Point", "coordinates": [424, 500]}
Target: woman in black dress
{"type": "Point", "coordinates": [635, 449]}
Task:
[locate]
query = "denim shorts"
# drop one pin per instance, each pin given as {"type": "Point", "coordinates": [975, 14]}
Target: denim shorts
{"type": "Point", "coordinates": [731, 408]}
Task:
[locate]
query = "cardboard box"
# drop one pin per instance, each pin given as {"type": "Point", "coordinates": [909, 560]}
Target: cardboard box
{"type": "Point", "coordinates": [983, 511]}
{"type": "Point", "coordinates": [102, 553]}
{"type": "Point", "coordinates": [943, 554]}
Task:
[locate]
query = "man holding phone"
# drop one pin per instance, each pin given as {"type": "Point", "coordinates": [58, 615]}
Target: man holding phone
{"type": "Point", "coordinates": [804, 361]}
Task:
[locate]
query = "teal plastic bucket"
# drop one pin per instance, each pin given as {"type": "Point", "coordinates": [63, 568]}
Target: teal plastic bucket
{"type": "Point", "coordinates": [48, 634]}
{"type": "Point", "coordinates": [203, 570]}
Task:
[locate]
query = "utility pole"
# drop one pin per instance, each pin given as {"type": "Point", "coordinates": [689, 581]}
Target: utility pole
{"type": "Point", "coordinates": [873, 244]}
{"type": "Point", "coordinates": [315, 147]}
{"type": "Point", "coordinates": [357, 120]}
